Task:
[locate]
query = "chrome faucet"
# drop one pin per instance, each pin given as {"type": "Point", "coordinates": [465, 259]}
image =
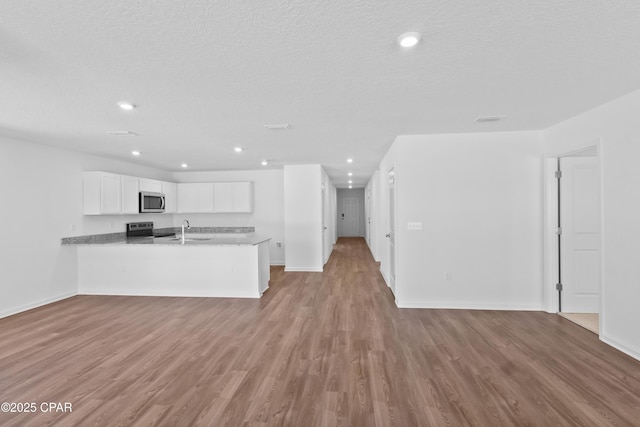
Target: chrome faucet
{"type": "Point", "coordinates": [185, 222]}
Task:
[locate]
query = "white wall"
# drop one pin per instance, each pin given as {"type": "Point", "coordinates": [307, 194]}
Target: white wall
{"type": "Point", "coordinates": [616, 127]}
{"type": "Point", "coordinates": [479, 199]}
{"type": "Point", "coordinates": [268, 213]}
{"type": "Point", "coordinates": [303, 218]}
{"type": "Point", "coordinates": [356, 193]}
{"type": "Point", "coordinates": [42, 202]}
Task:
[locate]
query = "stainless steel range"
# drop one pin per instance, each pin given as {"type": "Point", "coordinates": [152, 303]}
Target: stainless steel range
{"type": "Point", "coordinates": [145, 229]}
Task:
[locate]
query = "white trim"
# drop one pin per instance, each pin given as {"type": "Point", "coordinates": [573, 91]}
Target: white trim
{"type": "Point", "coordinates": [629, 351]}
{"type": "Point", "coordinates": [304, 269]}
{"type": "Point", "coordinates": [277, 263]}
{"type": "Point", "coordinates": [36, 304]}
{"type": "Point", "coordinates": [109, 292]}
{"type": "Point", "coordinates": [456, 305]}
{"type": "Point", "coordinates": [384, 276]}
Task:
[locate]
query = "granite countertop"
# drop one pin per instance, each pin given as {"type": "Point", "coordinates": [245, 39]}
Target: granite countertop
{"type": "Point", "coordinates": [197, 239]}
{"type": "Point", "coordinates": [197, 236]}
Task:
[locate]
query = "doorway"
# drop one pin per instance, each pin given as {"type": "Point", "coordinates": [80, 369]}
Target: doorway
{"type": "Point", "coordinates": [351, 212]}
{"type": "Point", "coordinates": [391, 235]}
{"type": "Point", "coordinates": [578, 236]}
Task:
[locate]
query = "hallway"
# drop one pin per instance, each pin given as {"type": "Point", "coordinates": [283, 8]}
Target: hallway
{"type": "Point", "coordinates": [325, 348]}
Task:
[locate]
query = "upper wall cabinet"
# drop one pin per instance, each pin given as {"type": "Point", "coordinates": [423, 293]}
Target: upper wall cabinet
{"type": "Point", "coordinates": [218, 197]}
{"type": "Point", "coordinates": [130, 192]}
{"type": "Point", "coordinates": [102, 193]}
{"type": "Point", "coordinates": [233, 197]}
{"type": "Point", "coordinates": [195, 197]}
{"type": "Point", "coordinates": [170, 190]}
{"type": "Point", "coordinates": [150, 185]}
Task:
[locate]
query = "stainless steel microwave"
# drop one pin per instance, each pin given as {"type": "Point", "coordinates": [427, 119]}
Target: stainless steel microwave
{"type": "Point", "coordinates": [151, 202]}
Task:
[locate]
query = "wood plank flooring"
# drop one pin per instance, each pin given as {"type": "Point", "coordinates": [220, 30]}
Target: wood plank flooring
{"type": "Point", "coordinates": [318, 349]}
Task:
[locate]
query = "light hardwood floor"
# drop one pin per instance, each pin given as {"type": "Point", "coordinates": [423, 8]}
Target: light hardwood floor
{"type": "Point", "coordinates": [318, 349]}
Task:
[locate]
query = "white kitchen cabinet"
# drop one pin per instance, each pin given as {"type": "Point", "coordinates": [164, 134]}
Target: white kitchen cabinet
{"type": "Point", "coordinates": [233, 197]}
{"type": "Point", "coordinates": [150, 185]}
{"type": "Point", "coordinates": [130, 195]}
{"type": "Point", "coordinates": [195, 197]}
{"type": "Point", "coordinates": [102, 193]}
{"type": "Point", "coordinates": [170, 190]}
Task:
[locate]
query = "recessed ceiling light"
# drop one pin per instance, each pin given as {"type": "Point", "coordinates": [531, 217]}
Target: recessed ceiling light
{"type": "Point", "coordinates": [350, 186]}
{"type": "Point", "coordinates": [184, 165]}
{"type": "Point", "coordinates": [349, 160]}
{"type": "Point", "coordinates": [350, 174]}
{"type": "Point", "coordinates": [409, 39]}
{"type": "Point", "coordinates": [350, 182]}
{"type": "Point", "coordinates": [135, 152]}
{"type": "Point", "coordinates": [238, 149]}
{"type": "Point", "coordinates": [126, 106]}
{"type": "Point", "coordinates": [264, 163]}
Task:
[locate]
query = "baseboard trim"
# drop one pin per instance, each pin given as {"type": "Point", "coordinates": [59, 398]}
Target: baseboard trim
{"type": "Point", "coordinates": [467, 306]}
{"type": "Point", "coordinates": [629, 351]}
{"type": "Point", "coordinates": [36, 304]}
{"type": "Point", "coordinates": [277, 264]}
{"type": "Point", "coordinates": [303, 269]}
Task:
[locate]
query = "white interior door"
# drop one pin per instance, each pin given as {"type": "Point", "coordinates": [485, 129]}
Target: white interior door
{"type": "Point", "coordinates": [350, 216]}
{"type": "Point", "coordinates": [324, 226]}
{"type": "Point", "coordinates": [580, 237]}
{"type": "Point", "coordinates": [392, 233]}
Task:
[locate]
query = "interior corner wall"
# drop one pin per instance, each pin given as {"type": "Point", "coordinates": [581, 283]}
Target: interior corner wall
{"type": "Point", "coordinates": [303, 218]}
{"type": "Point", "coordinates": [616, 127]}
{"type": "Point", "coordinates": [42, 203]}
{"type": "Point", "coordinates": [268, 207]}
{"type": "Point", "coordinates": [479, 199]}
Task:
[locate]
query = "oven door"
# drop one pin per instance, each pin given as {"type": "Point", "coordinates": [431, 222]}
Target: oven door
{"type": "Point", "coordinates": [151, 202]}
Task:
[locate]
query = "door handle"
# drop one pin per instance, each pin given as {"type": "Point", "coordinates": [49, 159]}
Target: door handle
{"type": "Point", "coordinates": [388, 236]}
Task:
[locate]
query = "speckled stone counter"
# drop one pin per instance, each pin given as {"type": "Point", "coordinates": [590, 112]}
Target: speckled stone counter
{"type": "Point", "coordinates": [193, 233]}
{"type": "Point", "coordinates": [195, 239]}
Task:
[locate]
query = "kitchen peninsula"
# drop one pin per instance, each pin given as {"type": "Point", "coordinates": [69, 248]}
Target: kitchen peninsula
{"type": "Point", "coordinates": [203, 265]}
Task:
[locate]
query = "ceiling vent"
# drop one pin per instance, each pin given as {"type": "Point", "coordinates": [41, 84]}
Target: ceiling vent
{"type": "Point", "coordinates": [278, 126]}
{"type": "Point", "coordinates": [487, 119]}
{"type": "Point", "coordinates": [122, 133]}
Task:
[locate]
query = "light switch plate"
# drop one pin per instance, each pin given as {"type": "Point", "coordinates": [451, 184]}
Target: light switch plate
{"type": "Point", "coordinates": [414, 226]}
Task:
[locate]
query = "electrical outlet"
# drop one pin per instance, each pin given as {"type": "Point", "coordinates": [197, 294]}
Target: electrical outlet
{"type": "Point", "coordinates": [414, 226]}
{"type": "Point", "coordinates": [278, 244]}
{"type": "Point", "coordinates": [447, 275]}
{"type": "Point", "coordinates": [72, 227]}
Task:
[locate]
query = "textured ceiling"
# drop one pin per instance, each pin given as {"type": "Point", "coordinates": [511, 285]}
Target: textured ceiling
{"type": "Point", "coordinates": [207, 75]}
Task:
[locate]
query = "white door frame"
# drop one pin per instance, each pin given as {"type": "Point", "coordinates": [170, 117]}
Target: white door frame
{"type": "Point", "coordinates": [550, 238]}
